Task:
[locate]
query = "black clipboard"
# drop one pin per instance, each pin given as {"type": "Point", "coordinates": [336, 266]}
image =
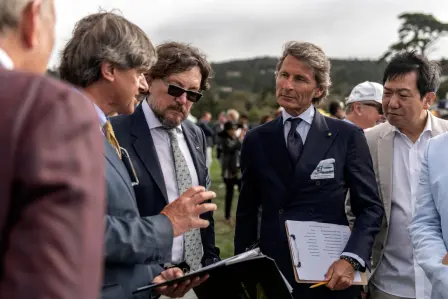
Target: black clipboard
{"type": "Point", "coordinates": [255, 277]}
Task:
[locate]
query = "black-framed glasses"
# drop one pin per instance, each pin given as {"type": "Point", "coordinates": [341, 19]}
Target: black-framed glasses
{"type": "Point", "coordinates": [378, 107]}
{"type": "Point", "coordinates": [177, 91]}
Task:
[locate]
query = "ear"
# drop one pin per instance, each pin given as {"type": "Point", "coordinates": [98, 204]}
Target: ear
{"type": "Point", "coordinates": [108, 71]}
{"type": "Point", "coordinates": [357, 108]}
{"type": "Point", "coordinates": [318, 92]}
{"type": "Point", "coordinates": [143, 84]}
{"type": "Point", "coordinates": [149, 81]}
{"type": "Point", "coordinates": [30, 23]}
{"type": "Point", "coordinates": [428, 100]}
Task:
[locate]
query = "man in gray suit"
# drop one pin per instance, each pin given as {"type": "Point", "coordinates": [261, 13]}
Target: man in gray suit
{"type": "Point", "coordinates": [107, 56]}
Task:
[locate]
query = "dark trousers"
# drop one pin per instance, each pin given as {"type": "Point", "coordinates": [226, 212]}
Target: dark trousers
{"type": "Point", "coordinates": [230, 185]}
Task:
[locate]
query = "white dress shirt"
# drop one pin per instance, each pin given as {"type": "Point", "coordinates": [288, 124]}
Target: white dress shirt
{"type": "Point", "coordinates": [163, 148]}
{"type": "Point", "coordinates": [5, 60]}
{"type": "Point", "coordinates": [398, 274]}
{"type": "Point", "coordinates": [303, 128]}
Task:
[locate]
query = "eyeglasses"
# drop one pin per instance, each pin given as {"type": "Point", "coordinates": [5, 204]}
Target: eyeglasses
{"type": "Point", "coordinates": [379, 108]}
{"type": "Point", "coordinates": [177, 91]}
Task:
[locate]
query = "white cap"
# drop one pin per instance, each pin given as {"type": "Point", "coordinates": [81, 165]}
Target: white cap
{"type": "Point", "coordinates": [366, 91]}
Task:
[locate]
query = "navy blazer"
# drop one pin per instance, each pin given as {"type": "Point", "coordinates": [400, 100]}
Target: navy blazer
{"type": "Point", "coordinates": [287, 192]}
{"type": "Point", "coordinates": [133, 134]}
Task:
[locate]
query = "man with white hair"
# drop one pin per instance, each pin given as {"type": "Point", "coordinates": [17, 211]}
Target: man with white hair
{"type": "Point", "coordinates": [52, 193]}
{"type": "Point", "coordinates": [364, 108]}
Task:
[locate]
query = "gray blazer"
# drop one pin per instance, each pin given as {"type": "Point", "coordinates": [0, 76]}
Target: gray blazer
{"type": "Point", "coordinates": [135, 246]}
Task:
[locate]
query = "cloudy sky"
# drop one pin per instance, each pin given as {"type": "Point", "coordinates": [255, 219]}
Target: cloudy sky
{"type": "Point", "coordinates": [236, 29]}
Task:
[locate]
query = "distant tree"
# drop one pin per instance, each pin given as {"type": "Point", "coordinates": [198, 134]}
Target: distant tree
{"type": "Point", "coordinates": [417, 32]}
{"type": "Point", "coordinates": [443, 90]}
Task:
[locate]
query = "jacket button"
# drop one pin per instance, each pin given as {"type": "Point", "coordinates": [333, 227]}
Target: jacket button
{"type": "Point", "coordinates": [318, 183]}
{"type": "Point", "coordinates": [280, 211]}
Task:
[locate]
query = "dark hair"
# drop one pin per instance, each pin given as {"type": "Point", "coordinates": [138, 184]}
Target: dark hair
{"type": "Point", "coordinates": [174, 57]}
{"type": "Point", "coordinates": [428, 72]}
{"type": "Point", "coordinates": [333, 107]}
{"type": "Point", "coordinates": [104, 37]}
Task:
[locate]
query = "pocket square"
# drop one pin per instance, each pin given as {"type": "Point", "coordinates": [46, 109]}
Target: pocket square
{"type": "Point", "coordinates": [324, 170]}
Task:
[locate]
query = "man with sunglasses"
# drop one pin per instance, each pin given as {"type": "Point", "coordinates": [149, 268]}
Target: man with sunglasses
{"type": "Point", "coordinates": [364, 105]}
{"type": "Point", "coordinates": [168, 151]}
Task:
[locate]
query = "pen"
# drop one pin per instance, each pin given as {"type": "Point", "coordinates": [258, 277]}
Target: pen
{"type": "Point", "coordinates": [318, 284]}
{"type": "Point", "coordinates": [299, 264]}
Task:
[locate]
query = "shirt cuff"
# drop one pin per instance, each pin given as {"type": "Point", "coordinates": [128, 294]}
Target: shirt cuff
{"type": "Point", "coordinates": [356, 257]}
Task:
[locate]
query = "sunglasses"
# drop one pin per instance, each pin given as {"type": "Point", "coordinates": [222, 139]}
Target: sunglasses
{"type": "Point", "coordinates": [379, 108]}
{"type": "Point", "coordinates": [176, 91]}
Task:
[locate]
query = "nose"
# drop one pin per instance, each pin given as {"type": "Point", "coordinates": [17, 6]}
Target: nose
{"type": "Point", "coordinates": [182, 99]}
{"type": "Point", "coordinates": [142, 84]}
{"type": "Point", "coordinates": [286, 84]}
{"type": "Point", "coordinates": [393, 102]}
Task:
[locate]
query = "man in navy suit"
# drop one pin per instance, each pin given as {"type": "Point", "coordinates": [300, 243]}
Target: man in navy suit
{"type": "Point", "coordinates": [281, 163]}
{"type": "Point", "coordinates": [175, 82]}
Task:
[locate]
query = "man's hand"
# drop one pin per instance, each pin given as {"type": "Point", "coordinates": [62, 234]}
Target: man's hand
{"type": "Point", "coordinates": [340, 275]}
{"type": "Point", "coordinates": [184, 212]}
{"type": "Point", "coordinates": [176, 290]}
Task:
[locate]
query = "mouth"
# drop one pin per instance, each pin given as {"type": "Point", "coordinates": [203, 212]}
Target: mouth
{"type": "Point", "coordinates": [287, 97]}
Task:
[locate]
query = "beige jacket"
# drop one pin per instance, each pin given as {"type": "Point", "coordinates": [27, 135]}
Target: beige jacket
{"type": "Point", "coordinates": [381, 140]}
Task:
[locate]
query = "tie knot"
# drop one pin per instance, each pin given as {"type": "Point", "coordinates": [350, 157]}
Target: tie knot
{"type": "Point", "coordinates": [294, 122]}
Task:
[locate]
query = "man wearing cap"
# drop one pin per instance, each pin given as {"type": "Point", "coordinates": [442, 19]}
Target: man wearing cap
{"type": "Point", "coordinates": [397, 148]}
{"type": "Point", "coordinates": [364, 105]}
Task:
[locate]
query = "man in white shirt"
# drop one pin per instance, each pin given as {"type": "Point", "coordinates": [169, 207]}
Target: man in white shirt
{"type": "Point", "coordinates": [397, 148]}
{"type": "Point", "coordinates": [363, 106]}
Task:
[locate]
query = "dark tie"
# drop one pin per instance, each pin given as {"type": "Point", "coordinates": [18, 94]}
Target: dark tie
{"type": "Point", "coordinates": [294, 141]}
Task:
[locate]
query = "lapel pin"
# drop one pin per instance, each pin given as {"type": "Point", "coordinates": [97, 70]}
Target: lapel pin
{"type": "Point", "coordinates": [329, 134]}
{"type": "Point", "coordinates": [197, 147]}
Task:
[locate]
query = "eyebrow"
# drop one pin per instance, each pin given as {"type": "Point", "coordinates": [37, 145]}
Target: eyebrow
{"type": "Point", "coordinates": [399, 89]}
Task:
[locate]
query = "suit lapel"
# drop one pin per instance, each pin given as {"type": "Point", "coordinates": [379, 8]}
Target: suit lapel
{"type": "Point", "coordinates": [195, 152]}
{"type": "Point", "coordinates": [385, 168]}
{"type": "Point", "coordinates": [111, 155]}
{"type": "Point", "coordinates": [145, 149]}
{"type": "Point", "coordinates": [318, 141]}
{"type": "Point", "coordinates": [277, 154]}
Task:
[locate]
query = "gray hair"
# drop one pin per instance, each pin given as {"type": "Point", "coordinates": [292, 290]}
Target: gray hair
{"type": "Point", "coordinates": [315, 57]}
{"type": "Point", "coordinates": [100, 38]}
{"type": "Point", "coordinates": [11, 12]}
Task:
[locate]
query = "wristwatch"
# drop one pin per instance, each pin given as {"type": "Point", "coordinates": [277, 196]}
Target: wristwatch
{"type": "Point", "coordinates": [355, 264]}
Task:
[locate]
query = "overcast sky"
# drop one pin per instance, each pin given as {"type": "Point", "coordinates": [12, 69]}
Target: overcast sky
{"type": "Point", "coordinates": [237, 29]}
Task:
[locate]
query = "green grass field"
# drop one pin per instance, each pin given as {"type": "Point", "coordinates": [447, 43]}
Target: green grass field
{"type": "Point", "coordinates": [224, 232]}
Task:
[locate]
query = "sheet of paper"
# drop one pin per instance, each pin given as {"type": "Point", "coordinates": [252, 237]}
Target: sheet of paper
{"type": "Point", "coordinates": [317, 246]}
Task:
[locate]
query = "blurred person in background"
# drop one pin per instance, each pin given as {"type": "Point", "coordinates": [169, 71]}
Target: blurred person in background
{"type": "Point", "coordinates": [335, 110]}
{"type": "Point", "coordinates": [52, 194]}
{"type": "Point", "coordinates": [364, 105]}
{"type": "Point", "coordinates": [231, 170]}
{"type": "Point", "coordinates": [205, 124]}
{"type": "Point", "coordinates": [106, 57]}
{"type": "Point", "coordinates": [265, 118]}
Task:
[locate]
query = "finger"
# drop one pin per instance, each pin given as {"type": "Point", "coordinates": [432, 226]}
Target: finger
{"type": "Point", "coordinates": [198, 281]}
{"type": "Point", "coordinates": [183, 288]}
{"type": "Point", "coordinates": [329, 273]}
{"type": "Point", "coordinates": [177, 272]}
{"type": "Point", "coordinates": [333, 281]}
{"type": "Point", "coordinates": [203, 196]}
{"type": "Point", "coordinates": [342, 284]}
{"type": "Point", "coordinates": [200, 223]}
{"type": "Point", "coordinates": [193, 191]}
{"type": "Point", "coordinates": [205, 207]}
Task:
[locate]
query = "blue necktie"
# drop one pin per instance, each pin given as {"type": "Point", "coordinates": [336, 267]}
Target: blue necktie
{"type": "Point", "coordinates": [294, 141]}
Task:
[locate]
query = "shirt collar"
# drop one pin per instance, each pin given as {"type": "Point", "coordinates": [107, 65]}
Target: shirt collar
{"type": "Point", "coordinates": [307, 116]}
{"type": "Point", "coordinates": [101, 116]}
{"type": "Point", "coordinates": [5, 60]}
{"type": "Point", "coordinates": [428, 126]}
{"type": "Point", "coordinates": [151, 119]}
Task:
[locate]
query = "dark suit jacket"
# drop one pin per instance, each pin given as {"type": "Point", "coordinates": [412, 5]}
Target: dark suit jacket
{"type": "Point", "coordinates": [52, 193]}
{"type": "Point", "coordinates": [133, 134]}
{"type": "Point", "coordinates": [208, 132]}
{"type": "Point", "coordinates": [287, 192]}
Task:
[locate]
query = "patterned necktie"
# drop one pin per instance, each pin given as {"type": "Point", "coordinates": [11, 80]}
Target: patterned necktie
{"type": "Point", "coordinates": [192, 239]}
{"type": "Point", "coordinates": [110, 135]}
{"type": "Point", "coordinates": [295, 143]}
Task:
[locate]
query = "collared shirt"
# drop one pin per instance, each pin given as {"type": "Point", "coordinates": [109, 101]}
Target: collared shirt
{"type": "Point", "coordinates": [348, 121]}
{"type": "Point", "coordinates": [397, 274]}
{"type": "Point", "coordinates": [101, 116]}
{"type": "Point", "coordinates": [303, 128]}
{"type": "Point", "coordinates": [163, 148]}
{"type": "Point", "coordinates": [5, 60]}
